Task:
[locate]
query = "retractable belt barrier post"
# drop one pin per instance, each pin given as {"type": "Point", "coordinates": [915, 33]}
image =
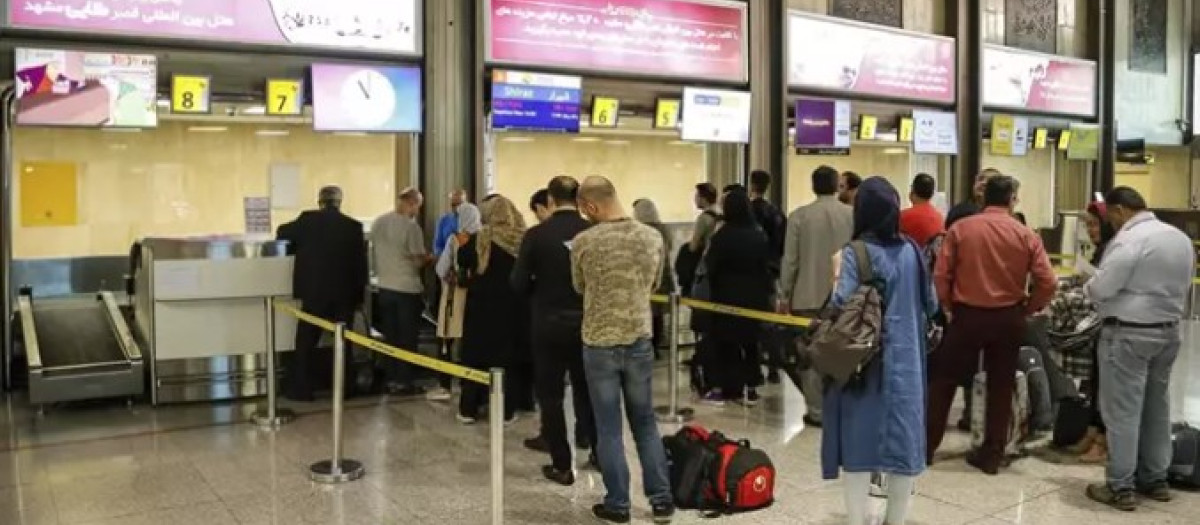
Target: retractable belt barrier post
{"type": "Point", "coordinates": [672, 413]}
{"type": "Point", "coordinates": [272, 416]}
{"type": "Point", "coordinates": [338, 469]}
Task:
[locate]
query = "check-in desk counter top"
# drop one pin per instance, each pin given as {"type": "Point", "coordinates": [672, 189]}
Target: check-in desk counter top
{"type": "Point", "coordinates": [204, 307]}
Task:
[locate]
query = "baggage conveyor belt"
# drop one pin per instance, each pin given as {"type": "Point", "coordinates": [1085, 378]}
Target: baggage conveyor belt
{"type": "Point", "coordinates": [79, 348]}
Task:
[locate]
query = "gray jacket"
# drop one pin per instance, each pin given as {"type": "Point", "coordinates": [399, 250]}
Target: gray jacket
{"type": "Point", "coordinates": [815, 232]}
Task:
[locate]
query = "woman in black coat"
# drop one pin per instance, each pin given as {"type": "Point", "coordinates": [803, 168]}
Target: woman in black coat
{"type": "Point", "coordinates": [493, 316]}
{"type": "Point", "coordinates": [739, 275]}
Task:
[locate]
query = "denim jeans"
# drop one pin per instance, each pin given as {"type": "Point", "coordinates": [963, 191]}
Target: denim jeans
{"type": "Point", "coordinates": [627, 370]}
{"type": "Point", "coordinates": [1135, 374]}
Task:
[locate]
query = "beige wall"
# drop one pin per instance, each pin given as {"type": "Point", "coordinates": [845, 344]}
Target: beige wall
{"type": "Point", "coordinates": [1164, 184]}
{"type": "Point", "coordinates": [172, 181]}
{"type": "Point", "coordinates": [891, 162]}
{"type": "Point", "coordinates": [1034, 170]}
{"type": "Point", "coordinates": [659, 168]}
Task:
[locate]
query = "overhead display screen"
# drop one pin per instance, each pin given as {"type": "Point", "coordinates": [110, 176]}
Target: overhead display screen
{"type": "Point", "coordinates": [536, 101]}
{"type": "Point", "coordinates": [366, 98]}
{"type": "Point", "coordinates": [74, 88]}
{"type": "Point", "coordinates": [714, 115]}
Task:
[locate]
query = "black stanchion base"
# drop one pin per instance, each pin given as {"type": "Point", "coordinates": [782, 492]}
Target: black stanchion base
{"type": "Point", "coordinates": [323, 471]}
{"type": "Point", "coordinates": [682, 415]}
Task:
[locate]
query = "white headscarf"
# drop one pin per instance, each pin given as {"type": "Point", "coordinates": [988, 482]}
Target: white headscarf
{"type": "Point", "coordinates": [470, 221]}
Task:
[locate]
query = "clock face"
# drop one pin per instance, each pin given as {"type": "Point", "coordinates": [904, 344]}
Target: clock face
{"type": "Point", "coordinates": [369, 97]}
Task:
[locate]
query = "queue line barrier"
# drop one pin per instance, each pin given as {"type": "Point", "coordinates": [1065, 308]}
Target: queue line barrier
{"type": "Point", "coordinates": [339, 469]}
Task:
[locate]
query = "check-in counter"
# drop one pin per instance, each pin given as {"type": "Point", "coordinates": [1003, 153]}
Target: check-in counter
{"type": "Point", "coordinates": [202, 307]}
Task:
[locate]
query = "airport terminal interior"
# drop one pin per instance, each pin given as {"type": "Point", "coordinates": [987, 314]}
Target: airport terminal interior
{"type": "Point", "coordinates": [151, 150]}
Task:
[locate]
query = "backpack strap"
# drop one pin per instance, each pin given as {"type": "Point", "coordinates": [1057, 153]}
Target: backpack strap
{"type": "Point", "coordinates": [865, 272]}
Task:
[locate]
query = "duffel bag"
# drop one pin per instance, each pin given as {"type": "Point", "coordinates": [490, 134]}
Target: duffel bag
{"type": "Point", "coordinates": [713, 473]}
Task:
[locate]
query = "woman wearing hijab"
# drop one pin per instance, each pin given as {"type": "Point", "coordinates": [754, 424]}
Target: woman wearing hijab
{"type": "Point", "coordinates": [1093, 448]}
{"type": "Point", "coordinates": [645, 212]}
{"type": "Point", "coordinates": [492, 321]}
{"type": "Point", "coordinates": [469, 223]}
{"type": "Point", "coordinates": [877, 424]}
{"type": "Point", "coordinates": [450, 306]}
{"type": "Point", "coordinates": [739, 275]}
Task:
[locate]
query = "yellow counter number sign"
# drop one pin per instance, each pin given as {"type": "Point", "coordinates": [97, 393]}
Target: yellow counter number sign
{"type": "Point", "coordinates": [906, 130]}
{"type": "Point", "coordinates": [866, 127]}
{"type": "Point", "coordinates": [605, 111]}
{"type": "Point", "coordinates": [666, 114]}
{"type": "Point", "coordinates": [284, 97]}
{"type": "Point", "coordinates": [190, 94]}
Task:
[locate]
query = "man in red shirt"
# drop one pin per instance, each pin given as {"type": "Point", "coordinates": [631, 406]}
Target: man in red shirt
{"type": "Point", "coordinates": [922, 221]}
{"type": "Point", "coordinates": [981, 277]}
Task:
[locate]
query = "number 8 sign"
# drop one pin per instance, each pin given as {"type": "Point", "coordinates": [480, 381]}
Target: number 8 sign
{"type": "Point", "coordinates": [190, 94]}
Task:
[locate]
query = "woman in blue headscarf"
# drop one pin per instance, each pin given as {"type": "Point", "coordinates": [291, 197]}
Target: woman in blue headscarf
{"type": "Point", "coordinates": [877, 424]}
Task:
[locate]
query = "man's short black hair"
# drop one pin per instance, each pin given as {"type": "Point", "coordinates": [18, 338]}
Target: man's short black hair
{"type": "Point", "coordinates": [760, 181]}
{"type": "Point", "coordinates": [853, 181]}
{"type": "Point", "coordinates": [563, 190]}
{"type": "Point", "coordinates": [730, 188]}
{"type": "Point", "coordinates": [1126, 197]}
{"type": "Point", "coordinates": [708, 191]}
{"type": "Point", "coordinates": [540, 198]}
{"type": "Point", "coordinates": [825, 180]}
{"type": "Point", "coordinates": [1000, 190]}
{"type": "Point", "coordinates": [923, 186]}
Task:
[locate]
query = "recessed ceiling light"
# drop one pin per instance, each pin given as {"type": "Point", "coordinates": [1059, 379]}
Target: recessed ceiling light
{"type": "Point", "coordinates": [895, 151]}
{"type": "Point", "coordinates": [255, 110]}
{"type": "Point", "coordinates": [208, 129]}
{"type": "Point", "coordinates": [617, 142]}
{"type": "Point", "coordinates": [586, 139]}
{"type": "Point", "coordinates": [680, 143]}
{"type": "Point", "coordinates": [517, 139]}
{"type": "Point", "coordinates": [272, 132]}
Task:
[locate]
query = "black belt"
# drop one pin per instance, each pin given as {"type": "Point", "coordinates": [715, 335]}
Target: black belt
{"type": "Point", "coordinates": [1113, 321]}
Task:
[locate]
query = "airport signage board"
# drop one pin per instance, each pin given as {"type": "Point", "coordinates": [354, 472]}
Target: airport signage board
{"type": "Point", "coordinates": [536, 101]}
{"type": "Point", "coordinates": [90, 89]}
{"type": "Point", "coordinates": [935, 132]}
{"type": "Point", "coordinates": [391, 27]}
{"type": "Point", "coordinates": [822, 127]}
{"type": "Point", "coordinates": [847, 57]}
{"type": "Point", "coordinates": [697, 39]}
{"type": "Point", "coordinates": [366, 98]}
{"type": "Point", "coordinates": [1019, 80]}
{"type": "Point", "coordinates": [714, 115]}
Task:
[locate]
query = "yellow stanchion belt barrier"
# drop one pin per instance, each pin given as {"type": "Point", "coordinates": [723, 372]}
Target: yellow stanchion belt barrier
{"type": "Point", "coordinates": [757, 315]}
{"type": "Point", "coordinates": [462, 372]}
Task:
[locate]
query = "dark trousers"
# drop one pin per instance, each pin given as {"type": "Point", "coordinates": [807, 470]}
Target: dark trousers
{"type": "Point", "coordinates": [738, 365]}
{"type": "Point", "coordinates": [558, 351]}
{"type": "Point", "coordinates": [473, 396]}
{"type": "Point", "coordinates": [998, 332]}
{"type": "Point", "coordinates": [400, 323]}
{"type": "Point", "coordinates": [301, 368]}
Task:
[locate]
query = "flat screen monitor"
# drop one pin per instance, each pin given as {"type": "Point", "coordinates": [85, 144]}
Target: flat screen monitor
{"type": "Point", "coordinates": [86, 89]}
{"type": "Point", "coordinates": [714, 115]}
{"type": "Point", "coordinates": [366, 98]}
{"type": "Point", "coordinates": [536, 101]}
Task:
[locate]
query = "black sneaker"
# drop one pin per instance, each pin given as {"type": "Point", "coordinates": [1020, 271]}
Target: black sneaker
{"type": "Point", "coordinates": [663, 513]}
{"type": "Point", "coordinates": [1160, 493]}
{"type": "Point", "coordinates": [773, 377]}
{"type": "Point", "coordinates": [582, 443]}
{"type": "Point", "coordinates": [565, 478]}
{"type": "Point", "coordinates": [612, 516]}
{"type": "Point", "coordinates": [964, 425]}
{"type": "Point", "coordinates": [593, 462]}
{"type": "Point", "coordinates": [1121, 500]}
{"type": "Point", "coordinates": [537, 444]}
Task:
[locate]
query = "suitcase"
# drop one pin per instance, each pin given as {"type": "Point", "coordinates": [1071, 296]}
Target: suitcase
{"type": "Point", "coordinates": [1018, 429]}
{"type": "Point", "coordinates": [1041, 405]}
{"type": "Point", "coordinates": [1185, 459]}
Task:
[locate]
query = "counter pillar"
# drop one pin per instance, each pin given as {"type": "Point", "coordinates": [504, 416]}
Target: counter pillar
{"type": "Point", "coordinates": [447, 146]}
{"type": "Point", "coordinates": [768, 119]}
{"type": "Point", "coordinates": [964, 24]}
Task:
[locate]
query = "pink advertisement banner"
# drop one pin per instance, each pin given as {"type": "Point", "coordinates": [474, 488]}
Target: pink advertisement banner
{"type": "Point", "coordinates": [391, 26]}
{"type": "Point", "coordinates": [701, 39]}
{"type": "Point", "coordinates": [1025, 81]}
{"type": "Point", "coordinates": [830, 54]}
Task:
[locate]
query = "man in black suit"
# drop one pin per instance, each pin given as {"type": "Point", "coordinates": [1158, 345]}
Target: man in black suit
{"type": "Point", "coordinates": [329, 278]}
{"type": "Point", "coordinates": [543, 271]}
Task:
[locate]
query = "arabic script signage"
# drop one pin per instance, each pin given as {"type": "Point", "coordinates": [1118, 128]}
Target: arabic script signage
{"type": "Point", "coordinates": [390, 26]}
{"type": "Point", "coordinates": [702, 39]}
{"type": "Point", "coordinates": [1025, 81]}
{"type": "Point", "coordinates": [829, 54]}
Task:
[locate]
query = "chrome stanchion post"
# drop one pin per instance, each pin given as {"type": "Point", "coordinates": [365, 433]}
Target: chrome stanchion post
{"type": "Point", "coordinates": [272, 416]}
{"type": "Point", "coordinates": [672, 413]}
{"type": "Point", "coordinates": [496, 426]}
{"type": "Point", "coordinates": [337, 469]}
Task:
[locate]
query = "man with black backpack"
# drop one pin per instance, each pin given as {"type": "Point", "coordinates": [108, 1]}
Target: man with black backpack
{"type": "Point", "coordinates": [774, 224]}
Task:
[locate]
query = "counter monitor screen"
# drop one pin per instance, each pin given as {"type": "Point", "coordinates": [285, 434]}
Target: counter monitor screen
{"type": "Point", "coordinates": [86, 89]}
{"type": "Point", "coordinates": [536, 101]}
{"type": "Point", "coordinates": [366, 98]}
{"type": "Point", "coordinates": [714, 115]}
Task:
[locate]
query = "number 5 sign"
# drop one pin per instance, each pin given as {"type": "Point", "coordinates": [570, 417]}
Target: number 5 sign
{"type": "Point", "coordinates": [284, 97]}
{"type": "Point", "coordinates": [190, 94]}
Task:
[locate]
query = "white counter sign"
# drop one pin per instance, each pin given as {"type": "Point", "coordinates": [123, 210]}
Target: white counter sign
{"type": "Point", "coordinates": [713, 115]}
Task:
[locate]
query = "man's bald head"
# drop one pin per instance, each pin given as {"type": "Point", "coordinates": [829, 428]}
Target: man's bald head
{"type": "Point", "coordinates": [598, 199]}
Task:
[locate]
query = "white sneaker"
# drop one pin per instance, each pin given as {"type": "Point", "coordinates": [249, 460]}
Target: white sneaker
{"type": "Point", "coordinates": [510, 421]}
{"type": "Point", "coordinates": [464, 419]}
{"type": "Point", "coordinates": [878, 485]}
{"type": "Point", "coordinates": [438, 394]}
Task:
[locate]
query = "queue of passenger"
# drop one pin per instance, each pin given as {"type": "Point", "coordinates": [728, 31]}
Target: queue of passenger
{"type": "Point", "coordinates": [572, 298]}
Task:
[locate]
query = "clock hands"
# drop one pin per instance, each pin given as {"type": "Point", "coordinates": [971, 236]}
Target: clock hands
{"type": "Point", "coordinates": [365, 90]}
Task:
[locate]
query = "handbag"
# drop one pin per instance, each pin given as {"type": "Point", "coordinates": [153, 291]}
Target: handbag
{"type": "Point", "coordinates": [846, 340]}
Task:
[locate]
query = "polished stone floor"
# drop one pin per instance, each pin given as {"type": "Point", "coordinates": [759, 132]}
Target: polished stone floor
{"type": "Point", "coordinates": [201, 464]}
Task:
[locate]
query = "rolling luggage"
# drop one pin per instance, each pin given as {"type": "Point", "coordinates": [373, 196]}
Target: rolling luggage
{"type": "Point", "coordinates": [1041, 405]}
{"type": "Point", "coordinates": [1185, 460]}
{"type": "Point", "coordinates": [1018, 429]}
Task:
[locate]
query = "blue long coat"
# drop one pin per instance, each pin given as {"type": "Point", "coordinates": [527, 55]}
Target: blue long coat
{"type": "Point", "coordinates": [879, 425]}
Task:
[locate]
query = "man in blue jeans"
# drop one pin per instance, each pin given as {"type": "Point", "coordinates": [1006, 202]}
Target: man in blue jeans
{"type": "Point", "coordinates": [1140, 290]}
{"type": "Point", "coordinates": [615, 266]}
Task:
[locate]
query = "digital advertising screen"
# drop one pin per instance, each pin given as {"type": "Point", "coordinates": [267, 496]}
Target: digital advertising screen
{"type": "Point", "coordinates": [86, 89]}
{"type": "Point", "coordinates": [536, 101]}
{"type": "Point", "coordinates": [715, 115]}
{"type": "Point", "coordinates": [366, 98]}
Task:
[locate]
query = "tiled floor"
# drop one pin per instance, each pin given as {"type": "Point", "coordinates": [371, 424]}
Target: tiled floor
{"type": "Point", "coordinates": [200, 464]}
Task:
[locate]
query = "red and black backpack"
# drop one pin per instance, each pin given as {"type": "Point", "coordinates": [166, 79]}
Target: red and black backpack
{"type": "Point", "coordinates": [711, 472]}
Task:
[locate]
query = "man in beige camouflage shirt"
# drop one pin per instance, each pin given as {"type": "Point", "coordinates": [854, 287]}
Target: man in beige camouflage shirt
{"type": "Point", "coordinates": [616, 265]}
